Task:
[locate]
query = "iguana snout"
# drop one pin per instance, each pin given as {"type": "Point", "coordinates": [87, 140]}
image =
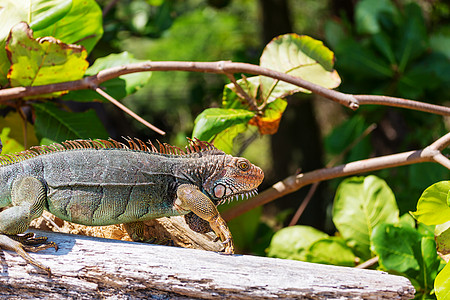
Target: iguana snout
{"type": "Point", "coordinates": [239, 177]}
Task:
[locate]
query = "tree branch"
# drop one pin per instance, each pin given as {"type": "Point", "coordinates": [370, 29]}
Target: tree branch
{"type": "Point", "coordinates": [295, 182]}
{"type": "Point", "coordinates": [221, 67]}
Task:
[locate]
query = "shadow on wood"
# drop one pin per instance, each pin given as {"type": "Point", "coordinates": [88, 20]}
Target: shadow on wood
{"type": "Point", "coordinates": [87, 267]}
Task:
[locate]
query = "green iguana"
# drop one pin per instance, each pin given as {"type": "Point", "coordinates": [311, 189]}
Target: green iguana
{"type": "Point", "coordinates": [105, 182]}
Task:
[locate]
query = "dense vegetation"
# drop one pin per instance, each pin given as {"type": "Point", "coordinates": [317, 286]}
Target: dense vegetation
{"type": "Point", "coordinates": [381, 47]}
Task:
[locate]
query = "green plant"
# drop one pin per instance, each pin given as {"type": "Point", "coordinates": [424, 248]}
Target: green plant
{"type": "Point", "coordinates": [366, 216]}
{"type": "Point", "coordinates": [433, 208]}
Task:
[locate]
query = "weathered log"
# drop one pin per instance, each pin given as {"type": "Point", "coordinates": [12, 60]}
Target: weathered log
{"type": "Point", "coordinates": [88, 267]}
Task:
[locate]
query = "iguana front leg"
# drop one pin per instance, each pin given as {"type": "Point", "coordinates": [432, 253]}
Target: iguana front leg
{"type": "Point", "coordinates": [28, 196]}
{"type": "Point", "coordinates": [189, 197]}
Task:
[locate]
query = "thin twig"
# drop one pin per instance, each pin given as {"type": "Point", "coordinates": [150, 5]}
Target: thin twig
{"type": "Point", "coordinates": [368, 263]}
{"type": "Point", "coordinates": [240, 91]}
{"type": "Point", "coordinates": [108, 7]}
{"type": "Point", "coordinates": [24, 126]}
{"type": "Point", "coordinates": [128, 111]}
{"type": "Point", "coordinates": [304, 204]}
{"type": "Point", "coordinates": [332, 162]}
{"type": "Point", "coordinates": [221, 67]}
{"type": "Point", "coordinates": [295, 182]}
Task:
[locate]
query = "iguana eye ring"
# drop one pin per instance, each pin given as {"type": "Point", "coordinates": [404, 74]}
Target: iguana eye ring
{"type": "Point", "coordinates": [243, 165]}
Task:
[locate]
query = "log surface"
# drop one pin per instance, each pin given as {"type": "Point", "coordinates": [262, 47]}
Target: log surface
{"type": "Point", "coordinates": [87, 267]}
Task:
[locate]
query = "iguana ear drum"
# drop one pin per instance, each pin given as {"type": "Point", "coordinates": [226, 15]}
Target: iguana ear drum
{"type": "Point", "coordinates": [220, 191]}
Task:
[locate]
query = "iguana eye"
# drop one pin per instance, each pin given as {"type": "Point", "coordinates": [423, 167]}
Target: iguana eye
{"type": "Point", "coordinates": [243, 165]}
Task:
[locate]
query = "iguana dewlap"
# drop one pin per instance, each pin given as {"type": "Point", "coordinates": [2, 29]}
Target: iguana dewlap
{"type": "Point", "coordinates": [99, 182]}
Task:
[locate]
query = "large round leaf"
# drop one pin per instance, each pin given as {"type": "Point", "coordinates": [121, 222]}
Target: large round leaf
{"type": "Point", "coordinates": [360, 204]}
{"type": "Point", "coordinates": [39, 13]}
{"type": "Point", "coordinates": [299, 56]}
{"type": "Point", "coordinates": [82, 25]}
{"type": "Point", "coordinates": [293, 242]}
{"type": "Point", "coordinates": [331, 251]}
{"type": "Point", "coordinates": [442, 283]}
{"type": "Point", "coordinates": [42, 62]}
{"type": "Point", "coordinates": [214, 120]}
{"type": "Point", "coordinates": [433, 207]}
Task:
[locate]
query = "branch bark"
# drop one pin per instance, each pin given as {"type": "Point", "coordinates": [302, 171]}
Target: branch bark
{"type": "Point", "coordinates": [293, 183]}
{"type": "Point", "coordinates": [220, 67]}
{"type": "Point", "coordinates": [91, 268]}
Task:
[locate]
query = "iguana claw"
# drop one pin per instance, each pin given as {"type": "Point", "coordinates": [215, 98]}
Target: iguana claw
{"type": "Point", "coordinates": [22, 243]}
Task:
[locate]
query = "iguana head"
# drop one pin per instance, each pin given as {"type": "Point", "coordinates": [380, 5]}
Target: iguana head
{"type": "Point", "coordinates": [235, 177]}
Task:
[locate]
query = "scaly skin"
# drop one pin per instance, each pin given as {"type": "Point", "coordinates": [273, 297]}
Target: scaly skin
{"type": "Point", "coordinates": [106, 182]}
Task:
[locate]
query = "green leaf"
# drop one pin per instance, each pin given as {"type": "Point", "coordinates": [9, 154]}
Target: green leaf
{"type": "Point", "coordinates": [442, 236]}
{"type": "Point", "coordinates": [356, 58]}
{"type": "Point", "coordinates": [360, 204]}
{"type": "Point", "coordinates": [38, 13]}
{"type": "Point", "coordinates": [299, 56]}
{"type": "Point", "coordinates": [46, 13]}
{"type": "Point", "coordinates": [429, 263]}
{"type": "Point", "coordinates": [367, 14]}
{"type": "Point", "coordinates": [119, 87]}
{"type": "Point", "coordinates": [9, 145]}
{"type": "Point", "coordinates": [442, 284]}
{"type": "Point", "coordinates": [405, 250]}
{"type": "Point", "coordinates": [59, 125]}
{"type": "Point", "coordinates": [406, 220]}
{"type": "Point", "coordinates": [332, 251]}
{"type": "Point", "coordinates": [230, 98]}
{"type": "Point", "coordinates": [214, 120]}
{"type": "Point", "coordinates": [413, 40]}
{"type": "Point", "coordinates": [293, 242]}
{"type": "Point", "coordinates": [396, 247]}
{"type": "Point", "coordinates": [81, 25]}
{"type": "Point", "coordinates": [432, 207]}
{"type": "Point", "coordinates": [42, 62]}
{"type": "Point", "coordinates": [224, 140]}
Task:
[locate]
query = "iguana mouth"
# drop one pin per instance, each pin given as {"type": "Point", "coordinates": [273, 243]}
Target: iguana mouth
{"type": "Point", "coordinates": [243, 195]}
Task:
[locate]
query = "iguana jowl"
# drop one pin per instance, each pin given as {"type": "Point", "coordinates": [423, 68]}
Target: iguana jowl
{"type": "Point", "coordinates": [104, 182]}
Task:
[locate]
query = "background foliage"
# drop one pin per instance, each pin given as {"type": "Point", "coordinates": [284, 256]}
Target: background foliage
{"type": "Point", "coordinates": [397, 48]}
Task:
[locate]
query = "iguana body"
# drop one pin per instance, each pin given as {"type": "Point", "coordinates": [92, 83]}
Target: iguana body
{"type": "Point", "coordinates": [106, 182]}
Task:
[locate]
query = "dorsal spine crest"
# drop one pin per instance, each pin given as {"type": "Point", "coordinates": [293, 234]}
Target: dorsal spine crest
{"type": "Point", "coordinates": [194, 146]}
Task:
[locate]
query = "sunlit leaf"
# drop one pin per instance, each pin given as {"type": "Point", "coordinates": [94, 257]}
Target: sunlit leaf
{"type": "Point", "coordinates": [59, 125]}
{"type": "Point", "coordinates": [214, 120]}
{"type": "Point", "coordinates": [293, 242]}
{"type": "Point", "coordinates": [224, 139]}
{"type": "Point", "coordinates": [402, 249]}
{"type": "Point", "coordinates": [396, 246]}
{"type": "Point", "coordinates": [442, 283]}
{"type": "Point", "coordinates": [42, 62]}
{"type": "Point", "coordinates": [231, 99]}
{"type": "Point", "coordinates": [299, 56]}
{"type": "Point", "coordinates": [432, 207]}
{"type": "Point", "coordinates": [332, 251]}
{"type": "Point", "coordinates": [39, 13]}
{"type": "Point", "coordinates": [82, 25]}
{"type": "Point", "coordinates": [9, 145]}
{"type": "Point", "coordinates": [360, 204]}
